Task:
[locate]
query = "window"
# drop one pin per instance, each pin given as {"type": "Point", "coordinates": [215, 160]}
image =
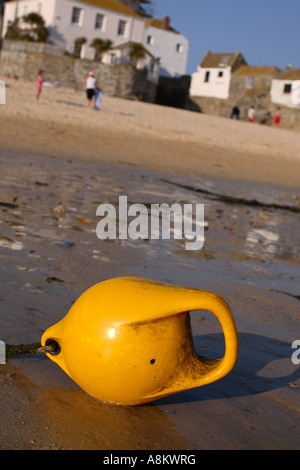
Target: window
{"type": "Point", "coordinates": [121, 28]}
{"type": "Point", "coordinates": [99, 21]}
{"type": "Point", "coordinates": [224, 61]}
{"type": "Point", "coordinates": [206, 79]}
{"type": "Point", "coordinates": [287, 88]}
{"type": "Point", "coordinates": [249, 83]}
{"type": "Point", "coordinates": [113, 58]}
{"type": "Point", "coordinates": [150, 40]}
{"type": "Point", "coordinates": [220, 74]}
{"type": "Point", "coordinates": [179, 48]}
{"type": "Point", "coordinates": [76, 15]}
{"type": "Point", "coordinates": [152, 66]}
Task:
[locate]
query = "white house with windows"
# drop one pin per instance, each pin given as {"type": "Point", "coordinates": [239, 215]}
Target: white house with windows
{"type": "Point", "coordinates": [285, 88]}
{"type": "Point", "coordinates": [67, 20]}
{"type": "Point", "coordinates": [213, 75]}
{"type": "Point", "coordinates": [168, 45]}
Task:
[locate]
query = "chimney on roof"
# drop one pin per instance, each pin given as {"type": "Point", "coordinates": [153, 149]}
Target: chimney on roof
{"type": "Point", "coordinates": [166, 22]}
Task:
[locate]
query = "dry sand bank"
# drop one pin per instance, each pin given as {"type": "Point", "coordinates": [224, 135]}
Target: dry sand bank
{"type": "Point", "coordinates": [146, 135]}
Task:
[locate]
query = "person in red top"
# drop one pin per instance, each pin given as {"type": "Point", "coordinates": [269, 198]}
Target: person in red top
{"type": "Point", "coordinates": [251, 114]}
{"type": "Point", "coordinates": [277, 116]}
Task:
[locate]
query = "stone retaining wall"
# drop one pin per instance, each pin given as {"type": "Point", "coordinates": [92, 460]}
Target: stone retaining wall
{"type": "Point", "coordinates": [25, 59]}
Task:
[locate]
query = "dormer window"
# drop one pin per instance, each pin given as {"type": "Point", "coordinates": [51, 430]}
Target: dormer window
{"type": "Point", "coordinates": [224, 61]}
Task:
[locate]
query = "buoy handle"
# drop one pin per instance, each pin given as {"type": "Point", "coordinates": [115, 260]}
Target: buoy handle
{"type": "Point", "coordinates": [200, 373]}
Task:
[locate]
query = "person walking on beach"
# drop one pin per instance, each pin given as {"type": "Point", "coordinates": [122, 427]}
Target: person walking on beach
{"type": "Point", "coordinates": [90, 85]}
{"type": "Point", "coordinates": [251, 114]}
{"type": "Point", "coordinates": [235, 113]}
{"type": "Point", "coordinates": [277, 116]}
{"type": "Point", "coordinates": [39, 84]}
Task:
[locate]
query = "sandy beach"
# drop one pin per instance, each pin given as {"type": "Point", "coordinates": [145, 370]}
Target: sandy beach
{"type": "Point", "coordinates": [146, 135]}
{"type": "Point", "coordinates": [54, 152]}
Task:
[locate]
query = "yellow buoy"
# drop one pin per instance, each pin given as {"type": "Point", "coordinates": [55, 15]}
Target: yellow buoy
{"type": "Point", "coordinates": [129, 341]}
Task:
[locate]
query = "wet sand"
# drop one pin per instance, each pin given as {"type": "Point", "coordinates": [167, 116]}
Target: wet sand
{"type": "Point", "coordinates": [55, 151]}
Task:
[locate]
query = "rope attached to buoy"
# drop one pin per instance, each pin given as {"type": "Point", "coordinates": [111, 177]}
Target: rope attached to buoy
{"type": "Point", "coordinates": [24, 349]}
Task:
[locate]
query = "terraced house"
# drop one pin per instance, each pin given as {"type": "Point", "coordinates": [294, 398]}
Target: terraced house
{"type": "Point", "coordinates": [68, 20]}
{"type": "Point", "coordinates": [168, 45]}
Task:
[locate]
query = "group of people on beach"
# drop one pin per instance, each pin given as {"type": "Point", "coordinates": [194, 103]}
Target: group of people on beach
{"type": "Point", "coordinates": [93, 91]}
{"type": "Point", "coordinates": [235, 113]}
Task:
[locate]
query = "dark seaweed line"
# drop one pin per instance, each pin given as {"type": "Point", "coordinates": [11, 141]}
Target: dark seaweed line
{"type": "Point", "coordinates": [235, 200]}
{"type": "Point", "coordinates": [8, 204]}
{"type": "Point", "coordinates": [287, 293]}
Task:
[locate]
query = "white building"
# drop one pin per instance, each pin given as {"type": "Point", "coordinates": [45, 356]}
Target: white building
{"type": "Point", "coordinates": [120, 55]}
{"type": "Point", "coordinates": [285, 88]}
{"type": "Point", "coordinates": [213, 75]}
{"type": "Point", "coordinates": [168, 45]}
{"type": "Point", "coordinates": [67, 20]}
